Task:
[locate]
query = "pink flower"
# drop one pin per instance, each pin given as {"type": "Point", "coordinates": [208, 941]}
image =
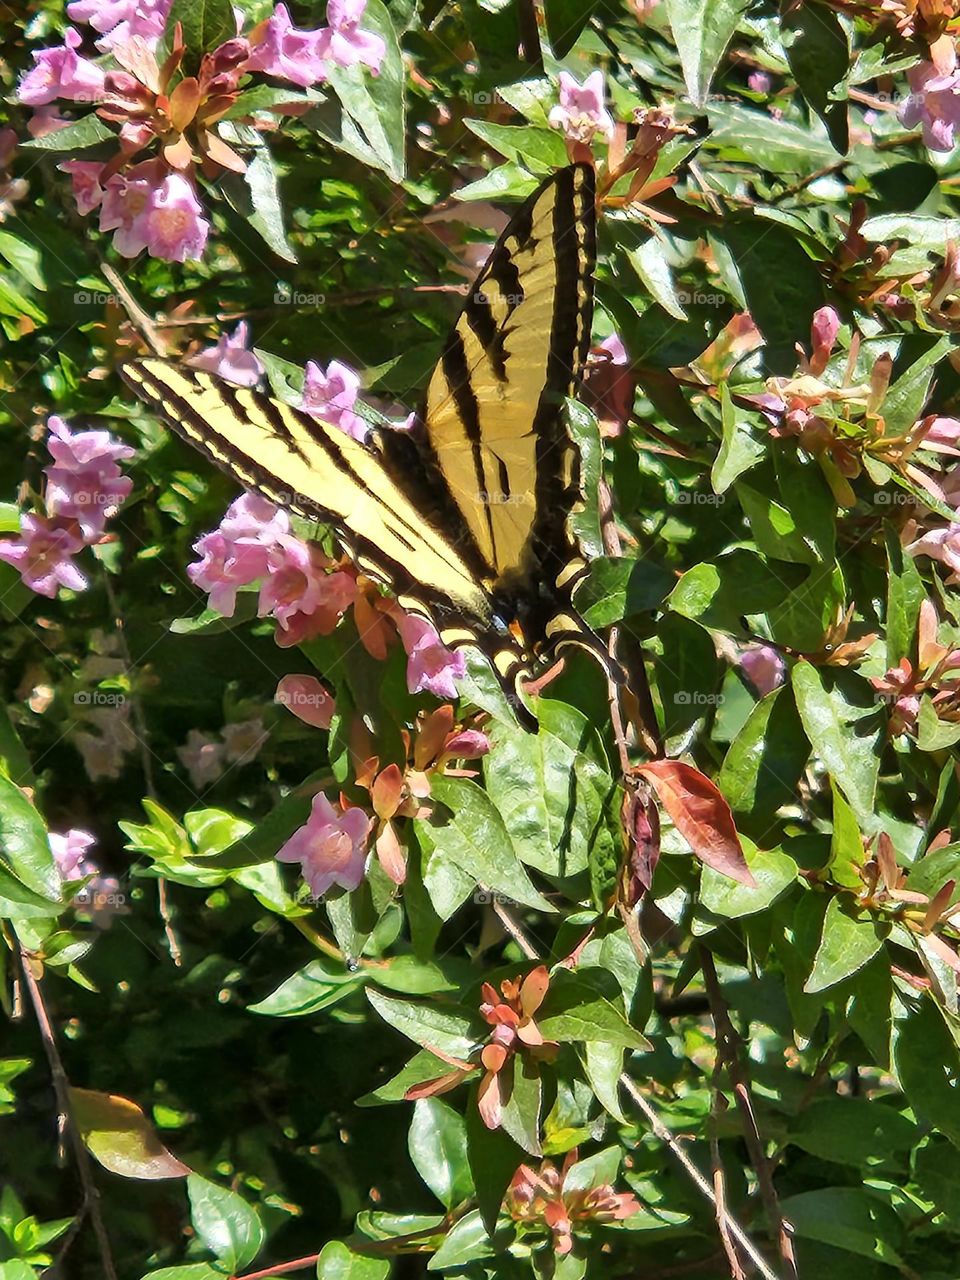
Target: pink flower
{"type": "Point", "coordinates": [237, 553]}
{"type": "Point", "coordinates": [823, 336]}
{"type": "Point", "coordinates": [231, 358]}
{"type": "Point", "coordinates": [158, 213]}
{"type": "Point", "coordinates": [61, 72]}
{"type": "Point", "coordinates": [85, 176]}
{"type": "Point", "coordinates": [942, 435]}
{"type": "Point", "coordinates": [331, 848]}
{"type": "Point", "coordinates": [203, 758]}
{"type": "Point", "coordinates": [43, 555]}
{"type": "Point", "coordinates": [581, 113]}
{"type": "Point", "coordinates": [759, 81]}
{"type": "Point", "coordinates": [294, 582]}
{"type": "Point", "coordinates": [332, 395]}
{"type": "Point", "coordinates": [934, 103]}
{"type": "Point", "coordinates": [121, 20]}
{"type": "Point", "coordinates": [943, 545]}
{"type": "Point", "coordinates": [318, 613]}
{"type": "Point", "coordinates": [44, 120]}
{"type": "Point", "coordinates": [279, 49]}
{"type": "Point", "coordinates": [85, 483]}
{"type": "Point", "coordinates": [243, 740]}
{"type": "Point", "coordinates": [431, 666]}
{"type": "Point", "coordinates": [763, 667]}
{"type": "Point", "coordinates": [309, 701]}
{"type": "Point", "coordinates": [344, 43]}
{"type": "Point", "coordinates": [70, 852]}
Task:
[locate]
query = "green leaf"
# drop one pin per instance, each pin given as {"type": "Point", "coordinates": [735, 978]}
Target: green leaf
{"type": "Point", "coordinates": [905, 594]}
{"type": "Point", "coordinates": [718, 594]}
{"type": "Point", "coordinates": [475, 837]}
{"type": "Point", "coordinates": [846, 844]}
{"type": "Point", "coordinates": [937, 1171]}
{"type": "Point", "coordinates": [24, 844]}
{"type": "Point", "coordinates": [565, 20]}
{"type": "Point", "coordinates": [904, 401]}
{"type": "Point", "coordinates": [819, 58]}
{"type": "Point", "coordinates": [688, 674]}
{"type": "Point", "coordinates": [468, 1241]}
{"type": "Point", "coordinates": [550, 795]}
{"type": "Point", "coordinates": [766, 759]}
{"type": "Point", "coordinates": [764, 251]}
{"type": "Point", "coordinates": [438, 1148]}
{"type": "Point", "coordinates": [542, 150]}
{"type": "Point", "coordinates": [848, 1219]}
{"type": "Point", "coordinates": [843, 723]}
{"type": "Point", "coordinates": [310, 989]}
{"type": "Point", "coordinates": [583, 522]}
{"type": "Point", "coordinates": [934, 734]}
{"type": "Point", "coordinates": [739, 449]}
{"type": "Point", "coordinates": [192, 1271]}
{"type": "Point", "coordinates": [773, 871]}
{"type": "Point", "coordinates": [651, 263]}
{"type": "Point", "coordinates": [87, 132]}
{"type": "Point", "coordinates": [848, 943]}
{"type": "Point", "coordinates": [374, 128]}
{"type": "Point", "coordinates": [851, 1130]}
{"type": "Point", "coordinates": [255, 195]}
{"type": "Point", "coordinates": [24, 257]}
{"type": "Point", "coordinates": [576, 1010]}
{"type": "Point", "coordinates": [494, 1159]}
{"type": "Point", "coordinates": [927, 1064]}
{"type": "Point", "coordinates": [776, 145]}
{"type": "Point", "coordinates": [205, 24]}
{"type": "Point", "coordinates": [614, 589]}
{"type": "Point", "coordinates": [16, 304]}
{"type": "Point", "coordinates": [431, 1026]}
{"type": "Point", "coordinates": [702, 29]}
{"type": "Point", "coordinates": [919, 230]}
{"type": "Point", "coordinates": [260, 845]}
{"type": "Point", "coordinates": [338, 1261]}
{"type": "Point", "coordinates": [225, 1223]}
{"type": "Point", "coordinates": [522, 1095]}
{"type": "Point", "coordinates": [116, 1131]}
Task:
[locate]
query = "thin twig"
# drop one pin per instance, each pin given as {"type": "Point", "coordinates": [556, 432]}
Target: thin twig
{"type": "Point", "coordinates": [720, 1187]}
{"type": "Point", "coordinates": [136, 313]}
{"type": "Point", "coordinates": [657, 1126]}
{"type": "Point", "coordinates": [730, 1051]}
{"type": "Point", "coordinates": [146, 761]}
{"type": "Point", "coordinates": [61, 1088]}
{"type": "Point", "coordinates": [282, 1268]}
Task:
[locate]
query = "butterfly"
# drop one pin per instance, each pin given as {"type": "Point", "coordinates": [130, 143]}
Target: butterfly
{"type": "Point", "coordinates": [465, 516]}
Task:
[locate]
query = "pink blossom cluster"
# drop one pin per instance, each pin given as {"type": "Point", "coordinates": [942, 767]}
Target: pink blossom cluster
{"type": "Point", "coordinates": [100, 898]}
{"type": "Point", "coordinates": [934, 101]}
{"type": "Point", "coordinates": [84, 488]}
{"type": "Point", "coordinates": [206, 757]}
{"type": "Point", "coordinates": [152, 203]}
{"type": "Point", "coordinates": [581, 113]}
{"type": "Point", "coordinates": [307, 593]}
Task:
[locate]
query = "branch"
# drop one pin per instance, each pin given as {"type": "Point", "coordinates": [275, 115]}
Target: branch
{"type": "Point", "coordinates": [657, 1126]}
{"type": "Point", "coordinates": [730, 1052]}
{"type": "Point", "coordinates": [281, 1269]}
{"type": "Point", "coordinates": [61, 1088]}
{"type": "Point", "coordinates": [133, 309]}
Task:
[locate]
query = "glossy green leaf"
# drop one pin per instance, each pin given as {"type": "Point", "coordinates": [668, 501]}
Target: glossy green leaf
{"type": "Point", "coordinates": [819, 59]}
{"type": "Point", "coordinates": [428, 1025]}
{"type": "Point", "coordinates": [116, 1131]}
{"type": "Point", "coordinates": [226, 1224]}
{"type": "Point", "coordinates": [773, 871]}
{"type": "Point", "coordinates": [843, 723]}
{"type": "Point", "coordinates": [577, 1009]}
{"type": "Point", "coordinates": [851, 1130]}
{"type": "Point", "coordinates": [702, 29]}
{"type": "Point", "coordinates": [438, 1148]}
{"type": "Point", "coordinates": [338, 1261]}
{"type": "Point", "coordinates": [766, 760]}
{"type": "Point", "coordinates": [849, 941]}
{"type": "Point", "coordinates": [848, 1219]}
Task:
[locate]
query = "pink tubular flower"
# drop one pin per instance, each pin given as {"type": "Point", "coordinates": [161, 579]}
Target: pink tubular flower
{"type": "Point", "coordinates": [44, 120]}
{"type": "Point", "coordinates": [69, 851]}
{"type": "Point", "coordinates": [823, 336]}
{"type": "Point", "coordinates": [231, 358]}
{"type": "Point", "coordinates": [934, 103]}
{"type": "Point", "coordinates": [941, 435]}
{"type": "Point", "coordinates": [331, 396]}
{"type": "Point", "coordinates": [763, 667]}
{"type": "Point", "coordinates": [344, 43]}
{"type": "Point", "coordinates": [61, 73]}
{"type": "Point", "coordinates": [307, 699]}
{"type": "Point", "coordinates": [431, 666]}
{"type": "Point", "coordinates": [43, 555]}
{"type": "Point", "coordinates": [119, 21]}
{"type": "Point", "coordinates": [203, 758]}
{"type": "Point", "coordinates": [331, 847]}
{"type": "Point", "coordinates": [294, 583]}
{"type": "Point", "coordinates": [237, 553]}
{"type": "Point", "coordinates": [243, 740]}
{"type": "Point", "coordinates": [943, 545]}
{"type": "Point", "coordinates": [279, 49]}
{"type": "Point", "coordinates": [149, 210]}
{"type": "Point", "coordinates": [85, 176]}
{"type": "Point", "coordinates": [85, 483]}
{"type": "Point", "coordinates": [581, 113]}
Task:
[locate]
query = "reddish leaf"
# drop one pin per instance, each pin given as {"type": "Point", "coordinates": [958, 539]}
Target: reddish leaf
{"type": "Point", "coordinates": [700, 814]}
{"type": "Point", "coordinates": [641, 822]}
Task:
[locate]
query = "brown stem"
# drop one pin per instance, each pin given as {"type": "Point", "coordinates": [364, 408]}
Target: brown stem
{"type": "Point", "coordinates": [720, 1186]}
{"type": "Point", "coordinates": [133, 309]}
{"type": "Point", "coordinates": [61, 1088]}
{"type": "Point", "coordinates": [730, 1052]}
{"type": "Point", "coordinates": [281, 1269]}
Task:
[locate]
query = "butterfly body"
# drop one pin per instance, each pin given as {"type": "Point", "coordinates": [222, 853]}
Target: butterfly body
{"type": "Point", "coordinates": [465, 516]}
